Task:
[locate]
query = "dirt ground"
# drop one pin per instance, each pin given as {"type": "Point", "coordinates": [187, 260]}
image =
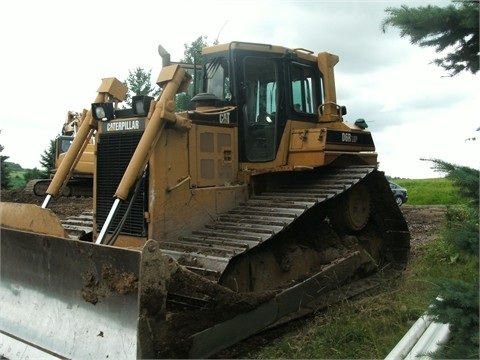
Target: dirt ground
{"type": "Point", "coordinates": [423, 221]}
{"type": "Point", "coordinates": [62, 206]}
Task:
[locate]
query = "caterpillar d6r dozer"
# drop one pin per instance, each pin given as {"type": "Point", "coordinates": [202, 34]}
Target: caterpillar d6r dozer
{"type": "Point", "coordinates": [245, 211]}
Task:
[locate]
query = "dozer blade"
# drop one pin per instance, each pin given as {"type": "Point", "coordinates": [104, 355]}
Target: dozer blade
{"type": "Point", "coordinates": [70, 299]}
{"type": "Point", "coordinates": [30, 217]}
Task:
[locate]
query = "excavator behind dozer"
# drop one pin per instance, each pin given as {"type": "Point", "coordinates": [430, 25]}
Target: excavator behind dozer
{"type": "Point", "coordinates": [80, 181]}
{"type": "Point", "coordinates": [257, 205]}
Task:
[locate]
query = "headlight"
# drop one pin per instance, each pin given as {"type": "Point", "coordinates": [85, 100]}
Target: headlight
{"type": "Point", "coordinates": [141, 104]}
{"type": "Point", "coordinates": [103, 111]}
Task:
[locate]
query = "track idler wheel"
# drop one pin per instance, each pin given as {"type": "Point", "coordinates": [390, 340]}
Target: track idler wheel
{"type": "Point", "coordinates": [40, 188]}
{"type": "Point", "coordinates": [351, 211]}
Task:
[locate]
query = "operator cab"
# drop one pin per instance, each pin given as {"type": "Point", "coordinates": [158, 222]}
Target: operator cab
{"type": "Point", "coordinates": [251, 78]}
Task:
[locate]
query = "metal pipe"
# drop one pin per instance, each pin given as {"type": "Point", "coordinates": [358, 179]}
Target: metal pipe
{"type": "Point", "coordinates": [46, 201]}
{"type": "Point", "coordinates": [424, 337]}
{"type": "Point", "coordinates": [409, 340]}
{"type": "Point", "coordinates": [106, 225]}
{"type": "Point", "coordinates": [434, 336]}
{"type": "Point", "coordinates": [164, 55]}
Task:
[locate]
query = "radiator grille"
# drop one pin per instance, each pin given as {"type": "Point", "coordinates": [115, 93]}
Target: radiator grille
{"type": "Point", "coordinates": [114, 152]}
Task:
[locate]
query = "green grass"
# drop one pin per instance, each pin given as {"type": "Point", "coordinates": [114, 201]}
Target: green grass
{"type": "Point", "coordinates": [439, 191]}
{"type": "Point", "coordinates": [17, 179]}
{"type": "Point", "coordinates": [356, 329]}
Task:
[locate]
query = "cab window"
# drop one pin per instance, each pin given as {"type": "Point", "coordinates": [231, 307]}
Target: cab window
{"type": "Point", "coordinates": [217, 78]}
{"type": "Point", "coordinates": [306, 89]}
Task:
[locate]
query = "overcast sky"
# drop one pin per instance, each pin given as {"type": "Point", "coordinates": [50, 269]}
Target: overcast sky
{"type": "Point", "coordinates": [55, 53]}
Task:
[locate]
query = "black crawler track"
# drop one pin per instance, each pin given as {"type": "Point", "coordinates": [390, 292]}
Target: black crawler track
{"type": "Point", "coordinates": [75, 187]}
{"type": "Point", "coordinates": [264, 217]}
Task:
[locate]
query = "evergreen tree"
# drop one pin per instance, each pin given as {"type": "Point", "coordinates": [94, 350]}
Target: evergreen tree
{"type": "Point", "coordinates": [458, 301]}
{"type": "Point", "coordinates": [465, 178]}
{"type": "Point", "coordinates": [454, 29]}
{"type": "Point", "coordinates": [4, 171]}
{"type": "Point", "coordinates": [47, 159]}
{"type": "Point", "coordinates": [193, 52]}
{"type": "Point", "coordinates": [192, 55]}
{"type": "Point", "coordinates": [139, 83]}
{"type": "Point", "coordinates": [458, 307]}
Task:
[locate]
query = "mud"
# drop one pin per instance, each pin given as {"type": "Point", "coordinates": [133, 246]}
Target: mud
{"type": "Point", "coordinates": [220, 304]}
{"type": "Point", "coordinates": [119, 282]}
{"type": "Point", "coordinates": [111, 282]}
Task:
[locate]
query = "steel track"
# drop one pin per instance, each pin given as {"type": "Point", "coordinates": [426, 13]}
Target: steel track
{"type": "Point", "coordinates": [262, 217]}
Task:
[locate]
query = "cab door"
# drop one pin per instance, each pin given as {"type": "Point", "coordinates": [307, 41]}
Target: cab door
{"type": "Point", "coordinates": [260, 108]}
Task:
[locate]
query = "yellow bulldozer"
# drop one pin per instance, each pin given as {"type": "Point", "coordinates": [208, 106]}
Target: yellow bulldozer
{"type": "Point", "coordinates": [247, 210]}
{"type": "Point", "coordinates": [80, 182]}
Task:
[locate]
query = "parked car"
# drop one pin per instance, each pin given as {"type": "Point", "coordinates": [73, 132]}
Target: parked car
{"type": "Point", "coordinates": [399, 193]}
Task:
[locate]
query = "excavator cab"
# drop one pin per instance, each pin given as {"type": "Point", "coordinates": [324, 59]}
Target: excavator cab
{"type": "Point", "coordinates": [62, 143]}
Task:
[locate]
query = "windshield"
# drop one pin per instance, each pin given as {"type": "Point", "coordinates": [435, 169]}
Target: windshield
{"type": "Point", "coordinates": [217, 78]}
